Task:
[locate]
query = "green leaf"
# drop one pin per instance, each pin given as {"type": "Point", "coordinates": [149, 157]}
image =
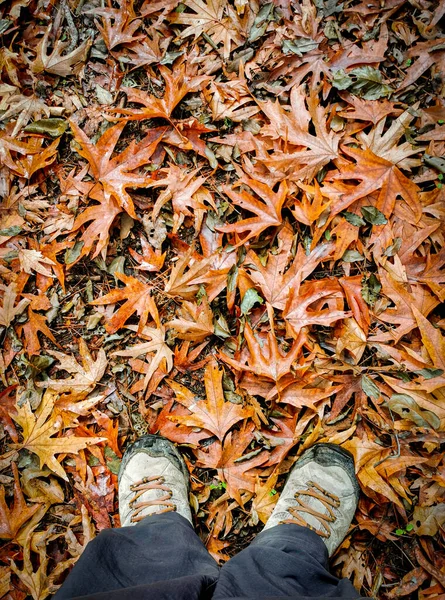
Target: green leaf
{"type": "Point", "coordinates": [370, 388]}
{"type": "Point", "coordinates": [53, 127]}
{"type": "Point", "coordinates": [351, 256]}
{"type": "Point", "coordinates": [394, 248]}
{"type": "Point", "coordinates": [365, 82]}
{"type": "Point", "coordinates": [371, 287]}
{"type": "Point", "coordinates": [353, 219]}
{"type": "Point", "coordinates": [299, 46]}
{"type": "Point", "coordinates": [429, 373]}
{"type": "Point", "coordinates": [251, 297]}
{"type": "Point", "coordinates": [9, 231]}
{"type": "Point", "coordinates": [409, 527]}
{"type": "Point", "coordinates": [399, 531]}
{"type": "Point", "coordinates": [373, 215]}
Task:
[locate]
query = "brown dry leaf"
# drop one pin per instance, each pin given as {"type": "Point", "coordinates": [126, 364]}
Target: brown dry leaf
{"type": "Point", "coordinates": [39, 428]}
{"type": "Point", "coordinates": [115, 175]}
{"type": "Point", "coordinates": [265, 499]}
{"type": "Point", "coordinates": [12, 518]}
{"type": "Point", "coordinates": [178, 83]}
{"type": "Point", "coordinates": [185, 272]}
{"type": "Point", "coordinates": [118, 24]}
{"type": "Point", "coordinates": [35, 324]}
{"type": "Point", "coordinates": [34, 261]}
{"type": "Point", "coordinates": [276, 279]}
{"type": "Point", "coordinates": [213, 414]}
{"type": "Point", "coordinates": [137, 299]}
{"type": "Point", "coordinates": [268, 210]}
{"type": "Point", "coordinates": [8, 312]}
{"type": "Point", "coordinates": [150, 260]}
{"type": "Point", "coordinates": [84, 376]}
{"type": "Point", "coordinates": [195, 322]}
{"type": "Point", "coordinates": [216, 19]}
{"type": "Point", "coordinates": [163, 356]}
{"type": "Point", "coordinates": [56, 63]}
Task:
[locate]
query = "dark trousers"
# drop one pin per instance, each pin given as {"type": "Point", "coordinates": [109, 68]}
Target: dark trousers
{"type": "Point", "coordinates": [162, 558]}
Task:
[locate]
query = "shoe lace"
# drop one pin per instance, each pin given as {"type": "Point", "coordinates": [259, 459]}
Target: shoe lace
{"type": "Point", "coordinates": [145, 485]}
{"type": "Point", "coordinates": [328, 500]}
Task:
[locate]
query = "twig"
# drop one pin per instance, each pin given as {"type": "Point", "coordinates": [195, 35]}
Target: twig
{"type": "Point", "coordinates": [74, 35]}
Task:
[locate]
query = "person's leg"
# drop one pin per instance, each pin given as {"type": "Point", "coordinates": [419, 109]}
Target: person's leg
{"type": "Point", "coordinates": [160, 548]}
{"type": "Point", "coordinates": [289, 560]}
{"type": "Point", "coordinates": [290, 556]}
{"type": "Point", "coordinates": [156, 545]}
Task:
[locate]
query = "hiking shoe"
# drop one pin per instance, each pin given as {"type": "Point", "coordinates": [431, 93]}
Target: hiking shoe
{"type": "Point", "coordinates": [321, 493]}
{"type": "Point", "coordinates": [153, 479]}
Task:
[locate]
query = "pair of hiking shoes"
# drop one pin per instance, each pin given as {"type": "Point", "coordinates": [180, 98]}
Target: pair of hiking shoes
{"type": "Point", "coordinates": [321, 491]}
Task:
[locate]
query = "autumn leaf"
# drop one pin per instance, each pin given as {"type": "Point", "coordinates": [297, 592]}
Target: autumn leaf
{"type": "Point", "coordinates": [35, 324]}
{"type": "Point", "coordinates": [268, 210]}
{"type": "Point", "coordinates": [117, 174]}
{"type": "Point", "coordinates": [85, 376]}
{"type": "Point", "coordinates": [378, 175]}
{"type": "Point", "coordinates": [213, 414]}
{"type": "Point", "coordinates": [118, 24]}
{"type": "Point", "coordinates": [216, 19]}
{"type": "Point", "coordinates": [137, 299]}
{"type": "Point", "coordinates": [265, 499]}
{"type": "Point", "coordinates": [39, 429]}
{"type": "Point", "coordinates": [56, 62]}
{"type": "Point", "coordinates": [8, 312]}
{"type": "Point", "coordinates": [12, 518]}
{"type": "Point", "coordinates": [178, 83]}
{"type": "Point", "coordinates": [156, 344]}
{"type": "Point", "coordinates": [195, 322]}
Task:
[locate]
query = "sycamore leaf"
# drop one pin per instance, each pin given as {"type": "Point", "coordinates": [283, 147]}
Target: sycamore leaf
{"type": "Point", "coordinates": [150, 260]}
{"type": "Point", "coordinates": [8, 312]}
{"type": "Point", "coordinates": [118, 24]}
{"type": "Point", "coordinates": [12, 518]}
{"type": "Point", "coordinates": [137, 299]}
{"type": "Point", "coordinates": [195, 322]}
{"type": "Point", "coordinates": [39, 429]}
{"type": "Point", "coordinates": [213, 414]}
{"type": "Point", "coordinates": [377, 175]}
{"type": "Point", "coordinates": [317, 303]}
{"type": "Point", "coordinates": [265, 498]}
{"type": "Point", "coordinates": [268, 210]}
{"type": "Point", "coordinates": [156, 344]}
{"type": "Point", "coordinates": [56, 63]}
{"type": "Point", "coordinates": [276, 280]}
{"type": "Point", "coordinates": [85, 376]}
{"type": "Point", "coordinates": [178, 83]}
{"type": "Point", "coordinates": [367, 110]}
{"type": "Point", "coordinates": [185, 274]}
{"type": "Point", "coordinates": [34, 261]}
{"type": "Point", "coordinates": [35, 324]}
{"type": "Point", "coordinates": [116, 175]}
{"type": "Point", "coordinates": [216, 19]}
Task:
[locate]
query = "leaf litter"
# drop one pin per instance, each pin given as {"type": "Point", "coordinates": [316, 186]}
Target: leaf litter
{"type": "Point", "coordinates": [222, 222]}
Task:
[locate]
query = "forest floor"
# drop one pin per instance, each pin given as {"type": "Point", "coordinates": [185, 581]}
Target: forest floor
{"type": "Point", "coordinates": [222, 221]}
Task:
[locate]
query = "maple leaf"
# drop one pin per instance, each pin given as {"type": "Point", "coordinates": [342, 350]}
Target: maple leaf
{"type": "Point", "coordinates": [377, 174]}
{"type": "Point", "coordinates": [311, 206]}
{"type": "Point", "coordinates": [228, 101]}
{"type": "Point", "coordinates": [178, 83]}
{"type": "Point", "coordinates": [307, 307]}
{"type": "Point", "coordinates": [196, 322]}
{"type": "Point", "coordinates": [185, 272]}
{"type": "Point", "coordinates": [13, 518]}
{"type": "Point", "coordinates": [182, 189]}
{"type": "Point", "coordinates": [35, 158]}
{"type": "Point", "coordinates": [213, 414]}
{"type": "Point", "coordinates": [27, 108]}
{"type": "Point", "coordinates": [33, 260]}
{"type": "Point", "coordinates": [138, 299]}
{"type": "Point", "coordinates": [266, 358]}
{"type": "Point", "coordinates": [274, 281]}
{"type": "Point", "coordinates": [368, 110]}
{"type": "Point", "coordinates": [119, 24]}
{"type": "Point", "coordinates": [101, 218]}
{"type": "Point", "coordinates": [156, 344]}
{"type": "Point", "coordinates": [215, 18]}
{"type": "Point", "coordinates": [265, 499]}
{"type": "Point", "coordinates": [150, 260]}
{"type": "Point", "coordinates": [85, 376]}
{"type": "Point", "coordinates": [117, 174]}
{"type": "Point", "coordinates": [39, 429]}
{"type": "Point", "coordinates": [8, 312]}
{"type": "Point", "coordinates": [293, 127]}
{"type": "Point", "coordinates": [56, 63]}
{"type": "Point", "coordinates": [35, 324]}
{"type": "Point", "coordinates": [268, 210]}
